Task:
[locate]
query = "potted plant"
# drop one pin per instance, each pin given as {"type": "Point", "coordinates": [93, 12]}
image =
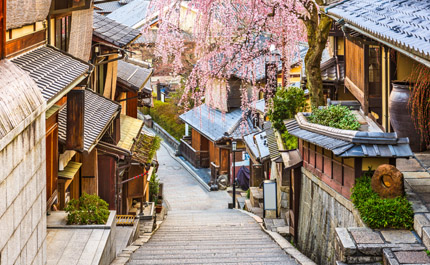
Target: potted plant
{"type": "Point", "coordinates": [154, 188]}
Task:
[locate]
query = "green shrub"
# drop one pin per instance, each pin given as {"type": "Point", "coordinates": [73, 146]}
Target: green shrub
{"type": "Point", "coordinates": [166, 114]}
{"type": "Point", "coordinates": [89, 209]}
{"type": "Point", "coordinates": [155, 146]}
{"type": "Point", "coordinates": [337, 116]}
{"type": "Point", "coordinates": [286, 104]}
{"type": "Point", "coordinates": [377, 212]}
{"type": "Point", "coordinates": [154, 187]}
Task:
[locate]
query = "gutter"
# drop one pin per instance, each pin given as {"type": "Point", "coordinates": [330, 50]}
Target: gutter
{"type": "Point", "coordinates": [408, 54]}
{"type": "Point", "coordinates": [51, 102]}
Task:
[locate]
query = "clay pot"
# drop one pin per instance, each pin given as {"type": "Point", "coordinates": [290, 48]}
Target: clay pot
{"type": "Point", "coordinates": [400, 116]}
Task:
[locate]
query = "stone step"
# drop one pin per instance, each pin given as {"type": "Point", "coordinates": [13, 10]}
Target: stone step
{"type": "Point", "coordinates": [210, 238]}
{"type": "Point", "coordinates": [241, 260]}
{"type": "Point", "coordinates": [167, 255]}
{"type": "Point", "coordinates": [206, 245]}
{"type": "Point", "coordinates": [159, 251]}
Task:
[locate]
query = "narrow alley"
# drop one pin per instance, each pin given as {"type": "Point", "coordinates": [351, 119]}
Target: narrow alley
{"type": "Point", "coordinates": [199, 228]}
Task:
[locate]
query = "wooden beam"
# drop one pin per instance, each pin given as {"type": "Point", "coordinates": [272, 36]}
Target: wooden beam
{"type": "Point", "coordinates": [366, 80]}
{"type": "Point", "coordinates": [355, 90]}
{"type": "Point", "coordinates": [24, 43]}
{"type": "Point", "coordinates": [75, 119]}
{"type": "Point", "coordinates": [2, 29]}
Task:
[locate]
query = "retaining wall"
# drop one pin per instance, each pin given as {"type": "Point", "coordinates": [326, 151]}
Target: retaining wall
{"type": "Point", "coordinates": [322, 210]}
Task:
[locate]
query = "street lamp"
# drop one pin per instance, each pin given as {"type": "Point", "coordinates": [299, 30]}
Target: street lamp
{"type": "Point", "coordinates": [233, 149]}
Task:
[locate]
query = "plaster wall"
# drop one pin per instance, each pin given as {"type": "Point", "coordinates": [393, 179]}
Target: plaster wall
{"type": "Point", "coordinates": [321, 211]}
{"type": "Point", "coordinates": [23, 195]}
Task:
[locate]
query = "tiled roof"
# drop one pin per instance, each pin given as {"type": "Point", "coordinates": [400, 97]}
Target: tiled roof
{"type": "Point", "coordinates": [132, 13]}
{"type": "Point", "coordinates": [110, 6]}
{"type": "Point", "coordinates": [271, 141]}
{"type": "Point", "coordinates": [257, 144]}
{"type": "Point", "coordinates": [363, 144]}
{"type": "Point", "coordinates": [113, 32]}
{"type": "Point", "coordinates": [134, 76]}
{"type": "Point", "coordinates": [99, 113]}
{"type": "Point", "coordinates": [212, 123]}
{"type": "Point", "coordinates": [403, 23]}
{"type": "Point", "coordinates": [332, 70]}
{"type": "Point", "coordinates": [51, 69]}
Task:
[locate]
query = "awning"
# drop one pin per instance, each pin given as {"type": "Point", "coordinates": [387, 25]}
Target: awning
{"type": "Point", "coordinates": [98, 115]}
{"type": "Point", "coordinates": [70, 170]}
{"type": "Point", "coordinates": [142, 148]}
{"type": "Point", "coordinates": [291, 158]}
{"type": "Point", "coordinates": [55, 72]}
{"type": "Point", "coordinates": [130, 129]}
{"type": "Point", "coordinates": [134, 76]}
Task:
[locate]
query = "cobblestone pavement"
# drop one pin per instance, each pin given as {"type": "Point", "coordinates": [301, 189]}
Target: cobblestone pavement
{"type": "Point", "coordinates": [199, 228]}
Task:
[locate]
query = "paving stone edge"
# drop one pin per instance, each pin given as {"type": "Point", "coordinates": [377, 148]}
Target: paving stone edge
{"type": "Point", "coordinates": [282, 242]}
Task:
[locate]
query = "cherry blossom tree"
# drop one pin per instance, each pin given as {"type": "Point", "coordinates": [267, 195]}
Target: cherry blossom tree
{"type": "Point", "coordinates": [230, 34]}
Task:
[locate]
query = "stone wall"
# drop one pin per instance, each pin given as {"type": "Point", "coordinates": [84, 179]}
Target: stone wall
{"type": "Point", "coordinates": [322, 210]}
{"type": "Point", "coordinates": [23, 195]}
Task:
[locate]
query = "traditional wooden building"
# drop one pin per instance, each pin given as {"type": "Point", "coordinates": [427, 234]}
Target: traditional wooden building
{"type": "Point", "coordinates": [212, 132]}
{"type": "Point", "coordinates": [332, 161]}
{"type": "Point", "coordinates": [134, 86]}
{"type": "Point", "coordinates": [380, 48]}
{"type": "Point", "coordinates": [125, 161]}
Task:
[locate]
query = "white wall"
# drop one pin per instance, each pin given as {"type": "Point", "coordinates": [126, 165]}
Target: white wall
{"type": "Point", "coordinates": [23, 196]}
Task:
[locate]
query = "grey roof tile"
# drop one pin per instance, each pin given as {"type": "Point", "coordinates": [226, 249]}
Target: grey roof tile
{"type": "Point", "coordinates": [403, 23]}
{"type": "Point", "coordinates": [356, 148]}
{"type": "Point", "coordinates": [134, 76]}
{"type": "Point", "coordinates": [212, 123]}
{"type": "Point", "coordinates": [52, 70]}
{"type": "Point", "coordinates": [132, 13]}
{"type": "Point", "coordinates": [99, 112]}
{"type": "Point", "coordinates": [113, 32]}
{"type": "Point", "coordinates": [109, 7]}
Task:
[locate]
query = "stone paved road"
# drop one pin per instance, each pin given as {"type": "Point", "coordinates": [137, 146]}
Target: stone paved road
{"type": "Point", "coordinates": [199, 228]}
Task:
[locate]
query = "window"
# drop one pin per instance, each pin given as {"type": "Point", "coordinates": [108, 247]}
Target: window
{"type": "Point", "coordinates": [62, 32]}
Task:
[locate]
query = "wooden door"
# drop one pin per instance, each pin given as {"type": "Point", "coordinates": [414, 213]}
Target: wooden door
{"type": "Point", "coordinates": [51, 162]}
{"type": "Point", "coordinates": [107, 179]}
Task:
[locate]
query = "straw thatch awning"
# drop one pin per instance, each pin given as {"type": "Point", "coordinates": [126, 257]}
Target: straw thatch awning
{"type": "Point", "coordinates": [24, 12]}
{"type": "Point", "coordinates": [20, 97]}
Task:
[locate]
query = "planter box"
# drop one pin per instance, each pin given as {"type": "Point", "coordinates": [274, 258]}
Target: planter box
{"type": "Point", "coordinates": [78, 239]}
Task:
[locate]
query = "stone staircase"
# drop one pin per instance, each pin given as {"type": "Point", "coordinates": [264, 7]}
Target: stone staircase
{"type": "Point", "coordinates": [255, 202]}
{"type": "Point", "coordinates": [210, 237]}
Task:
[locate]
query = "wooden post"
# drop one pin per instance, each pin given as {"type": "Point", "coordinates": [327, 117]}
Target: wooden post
{"type": "Point", "coordinates": [75, 119]}
{"type": "Point", "coordinates": [2, 29]}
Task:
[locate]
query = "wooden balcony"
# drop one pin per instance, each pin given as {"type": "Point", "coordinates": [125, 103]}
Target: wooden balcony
{"type": "Point", "coordinates": [198, 159]}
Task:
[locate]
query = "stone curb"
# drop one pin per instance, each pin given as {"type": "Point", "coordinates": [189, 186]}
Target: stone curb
{"type": "Point", "coordinates": [282, 242]}
{"type": "Point", "coordinates": [124, 256]}
{"type": "Point", "coordinates": [190, 170]}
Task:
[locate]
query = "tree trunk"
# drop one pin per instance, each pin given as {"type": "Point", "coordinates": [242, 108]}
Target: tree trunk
{"type": "Point", "coordinates": [318, 27]}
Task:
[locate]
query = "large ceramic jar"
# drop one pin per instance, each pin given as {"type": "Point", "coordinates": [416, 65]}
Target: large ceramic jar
{"type": "Point", "coordinates": [400, 116]}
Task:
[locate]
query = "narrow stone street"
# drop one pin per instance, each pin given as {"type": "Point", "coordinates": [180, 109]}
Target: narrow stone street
{"type": "Point", "coordinates": [199, 228]}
